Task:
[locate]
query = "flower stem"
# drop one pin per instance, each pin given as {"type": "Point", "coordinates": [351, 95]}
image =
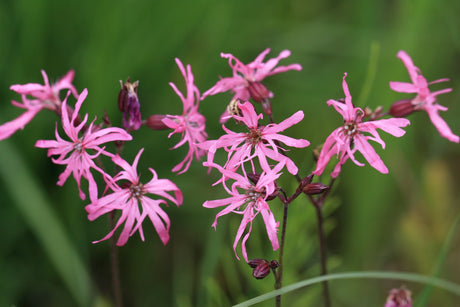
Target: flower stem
{"type": "Point", "coordinates": [323, 253]}
{"type": "Point", "coordinates": [279, 275]}
{"type": "Point", "coordinates": [116, 284]}
{"type": "Point", "coordinates": [318, 204]}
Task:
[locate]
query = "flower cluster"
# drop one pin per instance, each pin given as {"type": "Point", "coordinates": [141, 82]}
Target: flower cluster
{"type": "Point", "coordinates": [81, 154]}
{"type": "Point", "coordinates": [256, 155]}
{"type": "Point", "coordinates": [249, 197]}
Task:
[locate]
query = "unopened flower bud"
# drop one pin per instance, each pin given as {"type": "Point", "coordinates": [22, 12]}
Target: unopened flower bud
{"type": "Point", "coordinates": [399, 298]}
{"type": "Point", "coordinates": [261, 268]}
{"type": "Point", "coordinates": [274, 264]}
{"type": "Point", "coordinates": [255, 262]}
{"type": "Point", "coordinates": [155, 122]}
{"type": "Point", "coordinates": [258, 91]}
{"type": "Point", "coordinates": [402, 108]}
{"type": "Point", "coordinates": [128, 103]}
{"type": "Point", "coordinates": [315, 188]}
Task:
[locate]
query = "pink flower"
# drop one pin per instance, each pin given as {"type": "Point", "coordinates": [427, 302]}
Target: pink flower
{"type": "Point", "coordinates": [399, 298]}
{"type": "Point", "coordinates": [249, 203]}
{"type": "Point", "coordinates": [259, 141]}
{"type": "Point", "coordinates": [191, 123]}
{"type": "Point", "coordinates": [425, 100]}
{"type": "Point", "coordinates": [46, 96]}
{"type": "Point", "coordinates": [74, 153]}
{"type": "Point", "coordinates": [130, 197]}
{"type": "Point", "coordinates": [346, 140]}
{"type": "Point", "coordinates": [247, 79]}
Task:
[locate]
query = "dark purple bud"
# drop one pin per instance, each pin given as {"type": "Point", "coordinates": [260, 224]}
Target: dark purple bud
{"type": "Point", "coordinates": [258, 91]}
{"type": "Point", "coordinates": [315, 188]}
{"type": "Point", "coordinates": [274, 264]}
{"type": "Point", "coordinates": [255, 262]}
{"type": "Point", "coordinates": [261, 271]}
{"type": "Point", "coordinates": [128, 103]}
{"type": "Point", "coordinates": [306, 180]}
{"type": "Point", "coordinates": [155, 122]}
{"type": "Point", "coordinates": [402, 108]}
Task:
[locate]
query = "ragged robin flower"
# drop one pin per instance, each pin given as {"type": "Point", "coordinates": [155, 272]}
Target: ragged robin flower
{"type": "Point", "coordinates": [424, 100]}
{"type": "Point", "coordinates": [84, 146]}
{"type": "Point", "coordinates": [130, 196]}
{"type": "Point", "coordinates": [248, 199]}
{"type": "Point", "coordinates": [354, 135]}
{"type": "Point", "coordinates": [191, 124]}
{"type": "Point", "coordinates": [36, 97]}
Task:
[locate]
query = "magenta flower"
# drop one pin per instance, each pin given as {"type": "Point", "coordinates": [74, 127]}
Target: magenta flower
{"type": "Point", "coordinates": [191, 123]}
{"type": "Point", "coordinates": [74, 153]}
{"type": "Point", "coordinates": [259, 141]}
{"type": "Point", "coordinates": [399, 298]}
{"type": "Point", "coordinates": [346, 140]}
{"type": "Point", "coordinates": [45, 96]}
{"type": "Point", "coordinates": [250, 202]}
{"type": "Point", "coordinates": [130, 197]}
{"type": "Point", "coordinates": [425, 100]}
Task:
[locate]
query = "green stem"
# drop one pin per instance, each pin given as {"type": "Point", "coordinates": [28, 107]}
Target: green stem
{"type": "Point", "coordinates": [323, 253]}
{"type": "Point", "coordinates": [116, 284]}
{"type": "Point", "coordinates": [279, 275]}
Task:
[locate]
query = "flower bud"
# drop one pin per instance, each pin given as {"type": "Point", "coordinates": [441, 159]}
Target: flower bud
{"type": "Point", "coordinates": [258, 91]}
{"type": "Point", "coordinates": [402, 108]}
{"type": "Point", "coordinates": [155, 122]}
{"type": "Point", "coordinates": [315, 188]}
{"type": "Point", "coordinates": [261, 268]}
{"type": "Point", "coordinates": [128, 103]}
{"type": "Point", "coordinates": [399, 298]}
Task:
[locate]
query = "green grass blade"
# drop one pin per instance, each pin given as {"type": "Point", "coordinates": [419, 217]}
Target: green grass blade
{"type": "Point", "coordinates": [442, 284]}
{"type": "Point", "coordinates": [425, 295]}
{"type": "Point", "coordinates": [370, 75]}
{"type": "Point", "coordinates": [31, 202]}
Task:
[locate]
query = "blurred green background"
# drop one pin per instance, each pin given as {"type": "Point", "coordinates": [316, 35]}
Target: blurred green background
{"type": "Point", "coordinates": [395, 222]}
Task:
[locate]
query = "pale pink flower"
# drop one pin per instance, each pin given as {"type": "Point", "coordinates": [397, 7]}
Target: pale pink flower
{"type": "Point", "coordinates": [399, 298]}
{"type": "Point", "coordinates": [251, 201]}
{"type": "Point", "coordinates": [130, 196]}
{"type": "Point", "coordinates": [191, 124]}
{"type": "Point", "coordinates": [74, 153]}
{"type": "Point", "coordinates": [346, 140]}
{"type": "Point", "coordinates": [425, 100]}
{"type": "Point", "coordinates": [45, 96]}
{"type": "Point", "coordinates": [260, 141]}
